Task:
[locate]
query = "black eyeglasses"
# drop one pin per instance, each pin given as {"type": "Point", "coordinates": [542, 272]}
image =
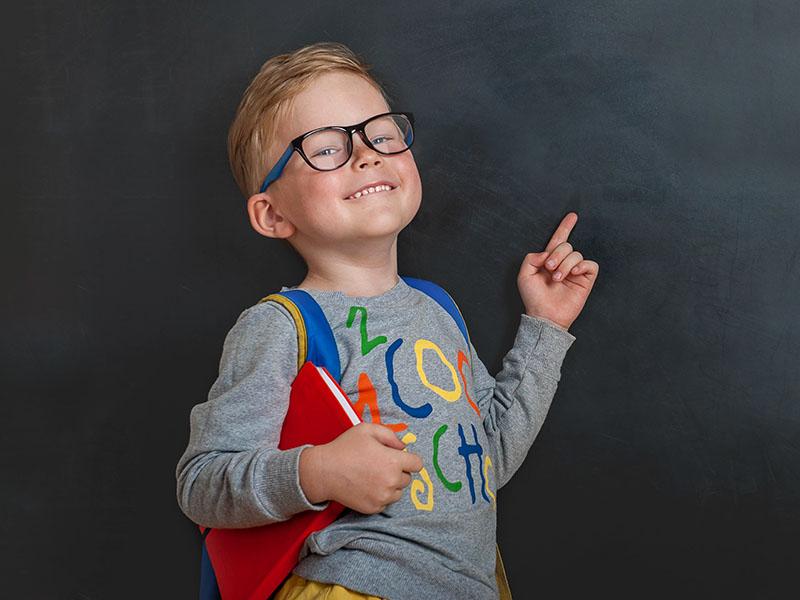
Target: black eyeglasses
{"type": "Point", "coordinates": [328, 148]}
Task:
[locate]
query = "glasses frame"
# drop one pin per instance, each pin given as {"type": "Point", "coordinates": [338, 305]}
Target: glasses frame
{"type": "Point", "coordinates": [296, 145]}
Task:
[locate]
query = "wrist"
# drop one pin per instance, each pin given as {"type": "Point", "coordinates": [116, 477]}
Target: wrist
{"type": "Point", "coordinates": [311, 476]}
{"type": "Point", "coordinates": [564, 326]}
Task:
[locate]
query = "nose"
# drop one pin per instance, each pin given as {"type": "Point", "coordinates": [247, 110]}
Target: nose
{"type": "Point", "coordinates": [363, 155]}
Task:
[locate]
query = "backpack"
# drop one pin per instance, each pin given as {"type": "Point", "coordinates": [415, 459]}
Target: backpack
{"type": "Point", "coordinates": [315, 342]}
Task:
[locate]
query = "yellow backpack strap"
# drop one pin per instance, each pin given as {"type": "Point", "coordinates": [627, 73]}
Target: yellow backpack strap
{"type": "Point", "coordinates": [300, 325]}
{"type": "Point", "coordinates": [500, 575]}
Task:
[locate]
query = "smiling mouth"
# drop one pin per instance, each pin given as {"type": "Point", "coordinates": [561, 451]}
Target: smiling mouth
{"type": "Point", "coordinates": [371, 191]}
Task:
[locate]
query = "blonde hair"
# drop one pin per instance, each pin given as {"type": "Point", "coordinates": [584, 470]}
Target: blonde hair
{"type": "Point", "coordinates": [268, 97]}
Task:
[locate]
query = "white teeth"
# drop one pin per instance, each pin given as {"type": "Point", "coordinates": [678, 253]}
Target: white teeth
{"type": "Point", "coordinates": [371, 190]}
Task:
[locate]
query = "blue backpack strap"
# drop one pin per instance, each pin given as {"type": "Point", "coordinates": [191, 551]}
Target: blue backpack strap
{"type": "Point", "coordinates": [444, 299]}
{"type": "Point", "coordinates": [209, 590]}
{"type": "Point", "coordinates": [315, 341]}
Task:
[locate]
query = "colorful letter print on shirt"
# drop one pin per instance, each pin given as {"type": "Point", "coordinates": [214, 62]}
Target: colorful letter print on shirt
{"type": "Point", "coordinates": [425, 383]}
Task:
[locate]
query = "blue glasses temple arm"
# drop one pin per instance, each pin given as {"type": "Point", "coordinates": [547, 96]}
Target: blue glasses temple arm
{"type": "Point", "coordinates": [276, 171]}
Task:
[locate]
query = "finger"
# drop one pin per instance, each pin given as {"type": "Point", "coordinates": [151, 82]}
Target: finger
{"type": "Point", "coordinates": [411, 462]}
{"type": "Point", "coordinates": [581, 266]}
{"type": "Point", "coordinates": [557, 255]}
{"type": "Point", "coordinates": [572, 259]}
{"type": "Point", "coordinates": [585, 267]}
{"type": "Point", "coordinates": [387, 437]}
{"type": "Point", "coordinates": [390, 497]}
{"type": "Point", "coordinates": [532, 263]}
{"type": "Point", "coordinates": [536, 258]}
{"type": "Point", "coordinates": [562, 231]}
{"type": "Point", "coordinates": [405, 479]}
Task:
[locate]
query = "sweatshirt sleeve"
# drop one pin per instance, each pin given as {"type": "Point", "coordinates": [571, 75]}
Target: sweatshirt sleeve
{"type": "Point", "coordinates": [232, 474]}
{"type": "Point", "coordinates": [515, 404]}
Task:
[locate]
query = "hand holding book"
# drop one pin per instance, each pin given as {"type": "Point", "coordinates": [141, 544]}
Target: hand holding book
{"type": "Point", "coordinates": [365, 468]}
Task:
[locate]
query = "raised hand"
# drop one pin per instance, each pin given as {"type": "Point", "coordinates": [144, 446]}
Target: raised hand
{"type": "Point", "coordinates": [554, 284]}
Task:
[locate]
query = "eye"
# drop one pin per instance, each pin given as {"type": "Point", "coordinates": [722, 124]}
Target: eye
{"type": "Point", "coordinates": [383, 139]}
{"type": "Point", "coordinates": [327, 151]}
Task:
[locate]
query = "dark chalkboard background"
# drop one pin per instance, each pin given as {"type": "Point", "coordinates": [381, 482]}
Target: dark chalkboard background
{"type": "Point", "coordinates": [669, 465]}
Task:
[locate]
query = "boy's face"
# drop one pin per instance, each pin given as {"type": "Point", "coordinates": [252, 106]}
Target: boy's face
{"type": "Point", "coordinates": [312, 207]}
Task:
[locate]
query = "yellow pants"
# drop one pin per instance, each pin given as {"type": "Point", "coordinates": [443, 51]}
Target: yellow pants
{"type": "Point", "coordinates": [297, 588]}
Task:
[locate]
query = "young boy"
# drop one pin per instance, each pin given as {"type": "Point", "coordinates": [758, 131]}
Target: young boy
{"type": "Point", "coordinates": [441, 435]}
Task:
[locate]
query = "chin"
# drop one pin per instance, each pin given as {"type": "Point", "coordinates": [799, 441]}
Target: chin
{"type": "Point", "coordinates": [380, 229]}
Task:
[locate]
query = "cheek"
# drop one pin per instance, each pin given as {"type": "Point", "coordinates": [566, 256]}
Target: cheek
{"type": "Point", "coordinates": [334, 187]}
{"type": "Point", "coordinates": [305, 199]}
{"type": "Point", "coordinates": [410, 173]}
{"type": "Point", "coordinates": [322, 187]}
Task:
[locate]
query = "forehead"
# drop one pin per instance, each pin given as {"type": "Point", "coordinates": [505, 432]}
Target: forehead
{"type": "Point", "coordinates": [336, 98]}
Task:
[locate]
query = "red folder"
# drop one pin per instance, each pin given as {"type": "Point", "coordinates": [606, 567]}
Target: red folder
{"type": "Point", "coordinates": [250, 564]}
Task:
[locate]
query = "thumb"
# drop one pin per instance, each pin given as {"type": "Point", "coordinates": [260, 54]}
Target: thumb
{"type": "Point", "coordinates": [533, 262]}
{"type": "Point", "coordinates": [538, 258]}
{"type": "Point", "coordinates": [387, 437]}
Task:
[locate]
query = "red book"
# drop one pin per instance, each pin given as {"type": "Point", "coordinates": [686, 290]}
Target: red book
{"type": "Point", "coordinates": [250, 564]}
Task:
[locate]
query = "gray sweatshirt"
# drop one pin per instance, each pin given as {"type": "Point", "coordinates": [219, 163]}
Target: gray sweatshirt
{"type": "Point", "coordinates": [404, 363]}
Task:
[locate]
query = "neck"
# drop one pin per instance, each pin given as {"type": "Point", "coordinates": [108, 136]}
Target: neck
{"type": "Point", "coordinates": [362, 270]}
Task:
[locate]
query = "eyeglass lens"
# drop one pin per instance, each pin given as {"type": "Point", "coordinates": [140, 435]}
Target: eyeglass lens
{"type": "Point", "coordinates": [329, 149]}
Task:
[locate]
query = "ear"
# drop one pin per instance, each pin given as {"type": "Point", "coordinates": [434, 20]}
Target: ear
{"type": "Point", "coordinates": [266, 218]}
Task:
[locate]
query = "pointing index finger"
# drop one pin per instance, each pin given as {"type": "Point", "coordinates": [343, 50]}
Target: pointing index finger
{"type": "Point", "coordinates": [562, 231]}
